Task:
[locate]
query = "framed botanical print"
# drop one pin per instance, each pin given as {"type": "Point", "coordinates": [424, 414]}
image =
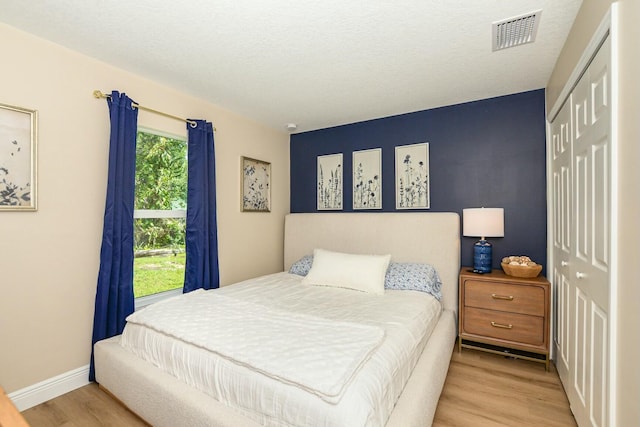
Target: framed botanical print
{"type": "Point", "coordinates": [329, 183]}
{"type": "Point", "coordinates": [412, 176]}
{"type": "Point", "coordinates": [256, 185]}
{"type": "Point", "coordinates": [367, 179]}
{"type": "Point", "coordinates": [18, 139]}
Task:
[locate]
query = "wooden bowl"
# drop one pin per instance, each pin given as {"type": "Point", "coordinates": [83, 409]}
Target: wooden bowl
{"type": "Point", "coordinates": [522, 270]}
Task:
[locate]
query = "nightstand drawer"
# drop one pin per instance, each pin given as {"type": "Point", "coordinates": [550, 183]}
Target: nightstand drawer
{"type": "Point", "coordinates": [505, 297]}
{"type": "Point", "coordinates": [513, 327]}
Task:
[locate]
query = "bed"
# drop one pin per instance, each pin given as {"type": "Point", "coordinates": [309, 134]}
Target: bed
{"type": "Point", "coordinates": [163, 400]}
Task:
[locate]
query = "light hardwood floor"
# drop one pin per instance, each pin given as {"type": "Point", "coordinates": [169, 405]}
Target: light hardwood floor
{"type": "Point", "coordinates": [481, 390]}
{"type": "Point", "coordinates": [87, 406]}
{"type": "Point", "coordinates": [489, 390]}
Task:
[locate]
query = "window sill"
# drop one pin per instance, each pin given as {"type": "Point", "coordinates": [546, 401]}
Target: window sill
{"type": "Point", "coordinates": [142, 302]}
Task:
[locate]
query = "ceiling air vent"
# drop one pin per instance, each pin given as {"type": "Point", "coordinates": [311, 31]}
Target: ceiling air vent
{"type": "Point", "coordinates": [515, 31]}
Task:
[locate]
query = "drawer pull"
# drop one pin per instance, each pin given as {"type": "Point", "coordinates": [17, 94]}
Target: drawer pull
{"type": "Point", "coordinates": [504, 297]}
{"type": "Point", "coordinates": [500, 325]}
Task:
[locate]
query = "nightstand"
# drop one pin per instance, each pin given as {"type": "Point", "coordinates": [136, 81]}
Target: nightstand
{"type": "Point", "coordinates": [504, 315]}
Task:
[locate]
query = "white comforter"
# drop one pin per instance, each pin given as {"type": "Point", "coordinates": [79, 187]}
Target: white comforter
{"type": "Point", "coordinates": [365, 398]}
{"type": "Point", "coordinates": [316, 354]}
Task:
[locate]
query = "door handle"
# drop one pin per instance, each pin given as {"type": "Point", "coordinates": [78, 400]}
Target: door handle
{"type": "Point", "coordinates": [564, 263]}
{"type": "Point", "coordinates": [580, 275]}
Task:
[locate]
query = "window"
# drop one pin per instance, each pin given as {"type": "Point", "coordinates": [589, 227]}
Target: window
{"type": "Point", "coordinates": [160, 213]}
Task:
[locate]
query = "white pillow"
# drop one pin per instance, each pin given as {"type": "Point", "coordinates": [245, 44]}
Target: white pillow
{"type": "Point", "coordinates": [360, 272]}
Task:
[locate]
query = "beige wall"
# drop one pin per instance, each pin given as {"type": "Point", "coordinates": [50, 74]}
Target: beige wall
{"type": "Point", "coordinates": [627, 352]}
{"type": "Point", "coordinates": [49, 258]}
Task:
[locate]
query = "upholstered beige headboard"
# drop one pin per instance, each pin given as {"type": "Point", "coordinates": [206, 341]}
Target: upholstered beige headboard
{"type": "Point", "coordinates": [432, 238]}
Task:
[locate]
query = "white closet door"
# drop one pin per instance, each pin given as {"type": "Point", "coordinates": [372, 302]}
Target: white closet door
{"type": "Point", "coordinates": [590, 253]}
{"type": "Point", "coordinates": [561, 139]}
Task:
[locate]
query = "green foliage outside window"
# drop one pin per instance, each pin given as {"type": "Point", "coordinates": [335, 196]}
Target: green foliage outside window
{"type": "Point", "coordinates": [161, 184]}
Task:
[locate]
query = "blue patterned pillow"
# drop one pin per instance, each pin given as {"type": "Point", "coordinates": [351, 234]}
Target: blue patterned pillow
{"type": "Point", "coordinates": [413, 277]}
{"type": "Point", "coordinates": [302, 266]}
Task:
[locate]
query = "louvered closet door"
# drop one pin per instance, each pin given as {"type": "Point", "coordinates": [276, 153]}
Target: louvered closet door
{"type": "Point", "coordinates": [590, 252]}
{"type": "Point", "coordinates": [561, 138]}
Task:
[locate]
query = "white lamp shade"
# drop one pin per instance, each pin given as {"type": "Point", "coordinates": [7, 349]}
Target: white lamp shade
{"type": "Point", "coordinates": [483, 222]}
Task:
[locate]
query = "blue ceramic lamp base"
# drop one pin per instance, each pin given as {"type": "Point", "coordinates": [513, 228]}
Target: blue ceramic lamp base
{"type": "Point", "coordinates": [482, 254]}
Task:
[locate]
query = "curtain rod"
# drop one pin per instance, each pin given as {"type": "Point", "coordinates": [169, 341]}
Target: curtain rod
{"type": "Point", "coordinates": [98, 94]}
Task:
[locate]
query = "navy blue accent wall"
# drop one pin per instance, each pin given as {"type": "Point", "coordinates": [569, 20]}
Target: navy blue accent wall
{"type": "Point", "coordinates": [487, 153]}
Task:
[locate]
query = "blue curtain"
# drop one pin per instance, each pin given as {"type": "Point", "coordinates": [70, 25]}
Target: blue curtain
{"type": "Point", "coordinates": [201, 245]}
{"type": "Point", "coordinates": [114, 294]}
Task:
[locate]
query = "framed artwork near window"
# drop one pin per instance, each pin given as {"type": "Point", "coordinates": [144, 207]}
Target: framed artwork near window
{"type": "Point", "coordinates": [330, 182]}
{"type": "Point", "coordinates": [367, 179]}
{"type": "Point", "coordinates": [412, 176]}
{"type": "Point", "coordinates": [256, 185]}
{"type": "Point", "coordinates": [18, 163]}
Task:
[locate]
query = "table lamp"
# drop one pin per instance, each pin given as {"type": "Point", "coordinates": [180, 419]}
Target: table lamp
{"type": "Point", "coordinates": [482, 222]}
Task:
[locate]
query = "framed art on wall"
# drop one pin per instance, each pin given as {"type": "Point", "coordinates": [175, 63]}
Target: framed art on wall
{"type": "Point", "coordinates": [18, 140]}
{"type": "Point", "coordinates": [412, 176]}
{"type": "Point", "coordinates": [256, 185]}
{"type": "Point", "coordinates": [367, 179]}
{"type": "Point", "coordinates": [330, 182]}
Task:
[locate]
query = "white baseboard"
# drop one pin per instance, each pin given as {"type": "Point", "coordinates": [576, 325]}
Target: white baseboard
{"type": "Point", "coordinates": [36, 394]}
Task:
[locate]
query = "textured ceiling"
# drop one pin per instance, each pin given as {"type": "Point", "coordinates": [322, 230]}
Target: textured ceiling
{"type": "Point", "coordinates": [314, 63]}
